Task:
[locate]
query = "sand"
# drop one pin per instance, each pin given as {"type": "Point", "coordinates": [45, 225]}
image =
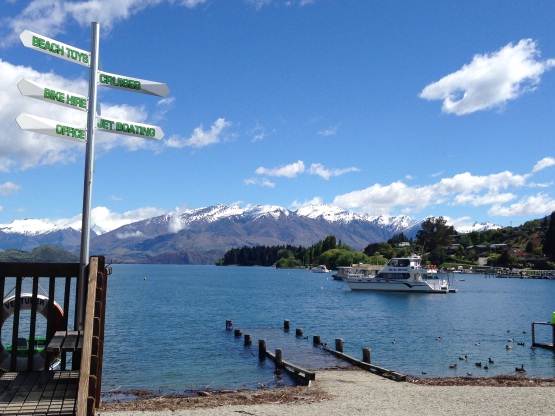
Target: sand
{"type": "Point", "coordinates": [351, 393]}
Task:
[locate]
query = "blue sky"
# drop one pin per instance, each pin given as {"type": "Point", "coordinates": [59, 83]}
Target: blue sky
{"type": "Point", "coordinates": [418, 108]}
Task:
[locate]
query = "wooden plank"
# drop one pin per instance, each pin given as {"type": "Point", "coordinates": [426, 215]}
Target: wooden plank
{"type": "Point", "coordinates": [55, 344]}
{"type": "Point", "coordinates": [10, 269]}
{"type": "Point", "coordinates": [84, 371]}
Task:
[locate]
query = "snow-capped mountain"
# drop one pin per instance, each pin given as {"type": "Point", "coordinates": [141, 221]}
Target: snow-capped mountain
{"type": "Point", "coordinates": [478, 226]}
{"type": "Point", "coordinates": [202, 235]}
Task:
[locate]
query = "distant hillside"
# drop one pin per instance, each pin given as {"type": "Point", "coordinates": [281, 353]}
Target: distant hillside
{"type": "Point", "coordinates": [43, 254]}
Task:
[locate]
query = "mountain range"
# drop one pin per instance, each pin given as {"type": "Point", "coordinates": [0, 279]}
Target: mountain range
{"type": "Point", "coordinates": [203, 235]}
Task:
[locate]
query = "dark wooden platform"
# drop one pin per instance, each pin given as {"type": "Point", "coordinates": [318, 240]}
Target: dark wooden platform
{"type": "Point", "coordinates": [38, 393]}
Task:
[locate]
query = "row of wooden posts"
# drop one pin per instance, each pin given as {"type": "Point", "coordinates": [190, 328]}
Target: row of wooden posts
{"type": "Point", "coordinates": [306, 376]}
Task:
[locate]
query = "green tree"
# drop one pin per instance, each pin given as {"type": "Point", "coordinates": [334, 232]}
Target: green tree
{"type": "Point", "coordinates": [549, 242]}
{"type": "Point", "coordinates": [435, 233]}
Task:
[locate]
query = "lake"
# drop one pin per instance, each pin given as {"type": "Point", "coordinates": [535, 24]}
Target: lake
{"type": "Point", "coordinates": [166, 326]}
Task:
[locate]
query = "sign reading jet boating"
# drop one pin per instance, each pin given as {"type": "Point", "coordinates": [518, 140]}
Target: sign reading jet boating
{"type": "Point", "coordinates": [122, 82]}
{"type": "Point", "coordinates": [51, 95]}
{"type": "Point", "coordinates": [51, 127]}
{"type": "Point", "coordinates": [53, 47]}
{"type": "Point", "coordinates": [129, 128]}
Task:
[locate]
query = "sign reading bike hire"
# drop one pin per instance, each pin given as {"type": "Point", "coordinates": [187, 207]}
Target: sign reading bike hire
{"type": "Point", "coordinates": [129, 128]}
{"type": "Point", "coordinates": [143, 86]}
{"type": "Point", "coordinates": [53, 47]}
{"type": "Point", "coordinates": [51, 127]}
{"type": "Point", "coordinates": [52, 95]}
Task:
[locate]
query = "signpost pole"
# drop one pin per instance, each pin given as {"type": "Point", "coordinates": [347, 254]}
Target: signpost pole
{"type": "Point", "coordinates": [89, 172]}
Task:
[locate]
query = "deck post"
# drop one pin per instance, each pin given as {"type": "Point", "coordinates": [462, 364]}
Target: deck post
{"type": "Point", "coordinates": [533, 335]}
{"type": "Point", "coordinates": [248, 340]}
{"type": "Point", "coordinates": [279, 357]}
{"type": "Point", "coordinates": [286, 325]}
{"type": "Point", "coordinates": [366, 355]}
{"type": "Point", "coordinates": [338, 345]}
{"type": "Point", "coordinates": [299, 332]}
{"type": "Point", "coordinates": [316, 340]}
{"type": "Point", "coordinates": [261, 349]}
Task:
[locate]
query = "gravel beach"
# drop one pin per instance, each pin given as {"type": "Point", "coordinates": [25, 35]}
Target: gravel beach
{"type": "Point", "coordinates": [338, 392]}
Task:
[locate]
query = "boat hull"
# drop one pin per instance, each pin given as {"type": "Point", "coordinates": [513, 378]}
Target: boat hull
{"type": "Point", "coordinates": [383, 285]}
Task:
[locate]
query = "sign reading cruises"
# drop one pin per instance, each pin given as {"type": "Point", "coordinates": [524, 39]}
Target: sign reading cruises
{"type": "Point", "coordinates": [129, 128]}
{"type": "Point", "coordinates": [53, 47]}
{"type": "Point", "coordinates": [132, 84]}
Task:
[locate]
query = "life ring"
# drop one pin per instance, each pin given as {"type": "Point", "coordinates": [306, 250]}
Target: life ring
{"type": "Point", "coordinates": [26, 302]}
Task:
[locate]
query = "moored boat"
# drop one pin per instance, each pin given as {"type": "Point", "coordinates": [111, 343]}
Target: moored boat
{"type": "Point", "coordinates": [320, 269]}
{"type": "Point", "coordinates": [403, 275]}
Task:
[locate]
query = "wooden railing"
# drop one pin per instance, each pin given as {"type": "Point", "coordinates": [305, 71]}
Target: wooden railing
{"type": "Point", "coordinates": [49, 289]}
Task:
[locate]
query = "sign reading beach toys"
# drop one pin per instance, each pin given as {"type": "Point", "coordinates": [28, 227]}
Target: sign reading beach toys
{"type": "Point", "coordinates": [94, 121]}
{"type": "Point", "coordinates": [53, 47]}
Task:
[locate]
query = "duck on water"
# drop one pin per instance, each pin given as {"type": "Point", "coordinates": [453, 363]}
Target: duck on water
{"type": "Point", "coordinates": [405, 274]}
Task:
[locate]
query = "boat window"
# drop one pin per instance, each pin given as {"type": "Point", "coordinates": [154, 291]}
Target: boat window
{"type": "Point", "coordinates": [404, 262]}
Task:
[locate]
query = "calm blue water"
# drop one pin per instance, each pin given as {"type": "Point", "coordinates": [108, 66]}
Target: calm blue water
{"type": "Point", "coordinates": [168, 332]}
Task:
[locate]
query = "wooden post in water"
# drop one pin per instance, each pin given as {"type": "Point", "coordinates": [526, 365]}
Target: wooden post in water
{"type": "Point", "coordinates": [261, 349]}
{"type": "Point", "coordinates": [316, 340]}
{"type": "Point", "coordinates": [366, 355]}
{"type": "Point", "coordinates": [286, 325]}
{"type": "Point", "coordinates": [279, 357]}
{"type": "Point", "coordinates": [248, 340]}
{"type": "Point", "coordinates": [238, 332]}
{"type": "Point", "coordinates": [299, 332]}
{"type": "Point", "coordinates": [338, 345]}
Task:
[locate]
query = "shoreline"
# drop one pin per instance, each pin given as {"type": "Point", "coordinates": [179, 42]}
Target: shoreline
{"type": "Point", "coordinates": [356, 392]}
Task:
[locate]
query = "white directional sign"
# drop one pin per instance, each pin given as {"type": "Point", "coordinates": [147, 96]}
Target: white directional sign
{"type": "Point", "coordinates": [51, 127]}
{"type": "Point", "coordinates": [129, 128]}
{"type": "Point", "coordinates": [53, 47]}
{"type": "Point", "coordinates": [51, 95]}
{"type": "Point", "coordinates": [122, 82]}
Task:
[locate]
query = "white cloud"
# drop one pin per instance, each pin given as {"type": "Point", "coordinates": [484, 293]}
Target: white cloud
{"type": "Point", "coordinates": [320, 170]}
{"type": "Point", "coordinates": [8, 188]}
{"type": "Point", "coordinates": [330, 131]}
{"type": "Point", "coordinates": [314, 201]}
{"type": "Point", "coordinates": [490, 80]}
{"type": "Point", "coordinates": [261, 182]}
{"type": "Point", "coordinates": [176, 224]}
{"type": "Point", "coordinates": [200, 137]}
{"type": "Point", "coordinates": [544, 163]}
{"type": "Point", "coordinates": [51, 17]}
{"type": "Point", "coordinates": [129, 234]}
{"type": "Point", "coordinates": [532, 205]}
{"type": "Point", "coordinates": [22, 149]}
{"type": "Point", "coordinates": [109, 220]}
{"type": "Point", "coordinates": [461, 189]}
{"type": "Point", "coordinates": [288, 171]}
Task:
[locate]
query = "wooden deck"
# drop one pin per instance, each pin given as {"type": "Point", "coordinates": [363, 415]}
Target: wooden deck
{"type": "Point", "coordinates": [38, 393]}
{"type": "Point", "coordinates": [74, 389]}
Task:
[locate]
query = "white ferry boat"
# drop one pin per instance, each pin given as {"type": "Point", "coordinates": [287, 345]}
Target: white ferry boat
{"type": "Point", "coordinates": [403, 275]}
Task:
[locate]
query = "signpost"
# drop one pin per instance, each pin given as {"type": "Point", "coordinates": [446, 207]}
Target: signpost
{"type": "Point", "coordinates": [133, 84]}
{"type": "Point", "coordinates": [51, 127]}
{"type": "Point", "coordinates": [52, 95]}
{"type": "Point", "coordinates": [94, 122]}
{"type": "Point", "coordinates": [53, 47]}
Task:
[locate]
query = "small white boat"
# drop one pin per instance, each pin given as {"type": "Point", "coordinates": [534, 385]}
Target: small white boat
{"type": "Point", "coordinates": [403, 275]}
{"type": "Point", "coordinates": [320, 269]}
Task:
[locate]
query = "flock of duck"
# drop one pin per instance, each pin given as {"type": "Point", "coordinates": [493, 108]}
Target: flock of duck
{"type": "Point", "coordinates": [485, 366]}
